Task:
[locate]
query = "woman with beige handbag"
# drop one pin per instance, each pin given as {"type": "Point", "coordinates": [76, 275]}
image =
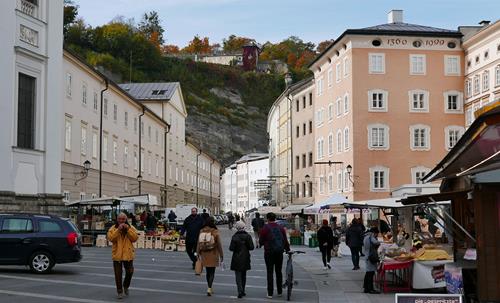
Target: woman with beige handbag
{"type": "Point", "coordinates": [209, 251]}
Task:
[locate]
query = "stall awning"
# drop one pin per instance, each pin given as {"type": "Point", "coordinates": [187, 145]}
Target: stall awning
{"type": "Point", "coordinates": [327, 205]}
{"type": "Point", "coordinates": [140, 199]}
{"type": "Point", "coordinates": [295, 208]}
{"type": "Point", "coordinates": [478, 150]}
{"type": "Point", "coordinates": [377, 203]}
{"type": "Point", "coordinates": [431, 198]}
{"type": "Point", "coordinates": [113, 201]}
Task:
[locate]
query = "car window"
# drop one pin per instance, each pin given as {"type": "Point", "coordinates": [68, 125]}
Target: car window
{"type": "Point", "coordinates": [47, 226]}
{"type": "Point", "coordinates": [17, 225]}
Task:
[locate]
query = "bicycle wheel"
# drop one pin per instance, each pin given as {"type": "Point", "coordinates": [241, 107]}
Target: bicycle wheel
{"type": "Point", "coordinates": [289, 291]}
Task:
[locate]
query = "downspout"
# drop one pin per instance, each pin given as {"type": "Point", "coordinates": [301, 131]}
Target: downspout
{"type": "Point", "coordinates": [165, 149]}
{"type": "Point", "coordinates": [211, 201]}
{"type": "Point", "coordinates": [292, 186]}
{"type": "Point", "coordinates": [100, 136]}
{"type": "Point", "coordinates": [140, 149]}
{"type": "Point", "coordinates": [197, 177]}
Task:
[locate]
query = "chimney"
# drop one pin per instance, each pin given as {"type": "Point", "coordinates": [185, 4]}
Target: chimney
{"type": "Point", "coordinates": [395, 16]}
{"type": "Point", "coordinates": [484, 22]}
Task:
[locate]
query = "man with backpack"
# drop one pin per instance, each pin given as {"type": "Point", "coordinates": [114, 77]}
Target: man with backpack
{"type": "Point", "coordinates": [257, 224]}
{"type": "Point", "coordinates": [273, 238]}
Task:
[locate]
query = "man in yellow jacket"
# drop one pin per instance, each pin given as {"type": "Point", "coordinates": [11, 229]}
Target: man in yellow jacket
{"type": "Point", "coordinates": [122, 235]}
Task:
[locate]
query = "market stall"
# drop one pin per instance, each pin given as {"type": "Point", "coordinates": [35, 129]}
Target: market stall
{"type": "Point", "coordinates": [296, 222]}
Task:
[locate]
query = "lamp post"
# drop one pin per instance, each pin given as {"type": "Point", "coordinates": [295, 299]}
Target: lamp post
{"type": "Point", "coordinates": [349, 172]}
{"type": "Point", "coordinates": [85, 172]}
{"type": "Point", "coordinates": [139, 180]}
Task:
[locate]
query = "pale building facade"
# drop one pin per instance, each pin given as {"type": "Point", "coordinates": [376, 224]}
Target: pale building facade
{"type": "Point", "coordinates": [303, 141]}
{"type": "Point", "coordinates": [228, 186]}
{"type": "Point", "coordinates": [482, 69]}
{"type": "Point", "coordinates": [389, 104]}
{"type": "Point", "coordinates": [250, 169]}
{"type": "Point", "coordinates": [30, 111]}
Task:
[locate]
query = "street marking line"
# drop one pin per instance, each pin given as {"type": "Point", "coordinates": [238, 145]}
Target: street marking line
{"type": "Point", "coordinates": [50, 297]}
{"type": "Point", "coordinates": [191, 282]}
{"type": "Point", "coordinates": [131, 288]}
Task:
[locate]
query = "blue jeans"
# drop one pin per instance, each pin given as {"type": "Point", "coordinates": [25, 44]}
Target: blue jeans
{"type": "Point", "coordinates": [355, 252]}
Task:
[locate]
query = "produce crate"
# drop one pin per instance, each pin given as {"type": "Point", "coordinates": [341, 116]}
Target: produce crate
{"type": "Point", "coordinates": [181, 248]}
{"type": "Point", "coordinates": [158, 244]}
{"type": "Point", "coordinates": [313, 242]}
{"type": "Point", "coordinates": [295, 240]}
{"type": "Point", "coordinates": [170, 247]}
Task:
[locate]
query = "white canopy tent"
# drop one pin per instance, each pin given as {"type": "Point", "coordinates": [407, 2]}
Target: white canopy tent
{"type": "Point", "coordinates": [295, 208]}
{"type": "Point", "coordinates": [326, 206]}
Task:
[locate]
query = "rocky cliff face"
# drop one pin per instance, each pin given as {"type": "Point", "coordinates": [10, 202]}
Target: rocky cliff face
{"type": "Point", "coordinates": [238, 130]}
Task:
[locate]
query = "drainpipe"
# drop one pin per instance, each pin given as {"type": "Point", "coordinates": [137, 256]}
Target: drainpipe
{"type": "Point", "coordinates": [140, 149]}
{"type": "Point", "coordinates": [100, 137]}
{"type": "Point", "coordinates": [197, 177]}
{"type": "Point", "coordinates": [211, 201]}
{"type": "Point", "coordinates": [165, 146]}
{"type": "Point", "coordinates": [292, 186]}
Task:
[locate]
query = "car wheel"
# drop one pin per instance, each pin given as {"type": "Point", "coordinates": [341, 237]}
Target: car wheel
{"type": "Point", "coordinates": [41, 262]}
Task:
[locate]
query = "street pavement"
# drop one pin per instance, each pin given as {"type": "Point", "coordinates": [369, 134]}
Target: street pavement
{"type": "Point", "coordinates": [159, 277]}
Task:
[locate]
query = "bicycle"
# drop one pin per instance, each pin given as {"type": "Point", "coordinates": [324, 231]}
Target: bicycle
{"type": "Point", "coordinates": [289, 282]}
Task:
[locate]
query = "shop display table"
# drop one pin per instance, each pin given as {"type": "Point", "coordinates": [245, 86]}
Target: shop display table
{"type": "Point", "coordinates": [394, 276]}
{"type": "Point", "coordinates": [429, 274]}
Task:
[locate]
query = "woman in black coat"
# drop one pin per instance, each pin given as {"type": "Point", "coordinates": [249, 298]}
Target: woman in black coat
{"type": "Point", "coordinates": [325, 239]}
{"type": "Point", "coordinates": [241, 245]}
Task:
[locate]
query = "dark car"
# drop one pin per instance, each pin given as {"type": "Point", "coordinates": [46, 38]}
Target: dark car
{"type": "Point", "coordinates": [39, 241]}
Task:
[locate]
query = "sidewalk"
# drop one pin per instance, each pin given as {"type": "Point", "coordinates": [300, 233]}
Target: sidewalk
{"type": "Point", "coordinates": [340, 284]}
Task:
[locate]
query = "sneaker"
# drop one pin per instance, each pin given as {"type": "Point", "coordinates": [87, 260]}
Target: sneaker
{"type": "Point", "coordinates": [269, 296]}
{"type": "Point", "coordinates": [280, 295]}
{"type": "Point", "coordinates": [119, 296]}
{"type": "Point", "coordinates": [125, 291]}
{"type": "Point", "coordinates": [244, 294]}
{"type": "Point", "coordinates": [209, 292]}
{"type": "Point", "coordinates": [328, 266]}
{"type": "Point", "coordinates": [325, 268]}
{"type": "Point", "coordinates": [240, 296]}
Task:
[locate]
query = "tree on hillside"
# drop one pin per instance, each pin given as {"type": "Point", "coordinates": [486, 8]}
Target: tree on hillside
{"type": "Point", "coordinates": [234, 43]}
{"type": "Point", "coordinates": [70, 14]}
{"type": "Point", "coordinates": [170, 49]}
{"type": "Point", "coordinates": [150, 26]}
{"type": "Point", "coordinates": [198, 46]}
{"type": "Point", "coordinates": [323, 45]}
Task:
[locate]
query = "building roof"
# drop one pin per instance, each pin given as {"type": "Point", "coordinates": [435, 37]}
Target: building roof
{"type": "Point", "coordinates": [151, 91]}
{"type": "Point", "coordinates": [394, 29]}
{"type": "Point", "coordinates": [252, 157]}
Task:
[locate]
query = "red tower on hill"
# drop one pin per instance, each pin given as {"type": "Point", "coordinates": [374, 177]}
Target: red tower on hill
{"type": "Point", "coordinates": [250, 56]}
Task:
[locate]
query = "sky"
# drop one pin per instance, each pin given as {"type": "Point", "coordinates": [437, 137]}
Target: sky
{"type": "Point", "coordinates": [275, 20]}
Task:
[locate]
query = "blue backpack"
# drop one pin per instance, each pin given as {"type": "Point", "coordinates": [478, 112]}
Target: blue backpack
{"type": "Point", "coordinates": [277, 243]}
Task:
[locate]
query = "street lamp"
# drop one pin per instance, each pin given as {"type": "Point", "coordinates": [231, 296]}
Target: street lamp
{"type": "Point", "coordinates": [85, 171]}
{"type": "Point", "coordinates": [349, 172]}
{"type": "Point", "coordinates": [308, 178]}
{"type": "Point", "coordinates": [139, 180]}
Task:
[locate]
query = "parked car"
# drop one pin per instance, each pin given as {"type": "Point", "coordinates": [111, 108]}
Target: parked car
{"type": "Point", "coordinates": [218, 219]}
{"type": "Point", "coordinates": [39, 241]}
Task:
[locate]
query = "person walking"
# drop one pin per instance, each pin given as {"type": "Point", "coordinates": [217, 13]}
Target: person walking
{"type": "Point", "coordinates": [151, 222]}
{"type": "Point", "coordinates": [230, 220]}
{"type": "Point", "coordinates": [325, 240]}
{"type": "Point", "coordinates": [205, 215]}
{"type": "Point", "coordinates": [354, 239]}
{"type": "Point", "coordinates": [241, 245]}
{"type": "Point", "coordinates": [371, 245]}
{"type": "Point", "coordinates": [172, 217]}
{"type": "Point", "coordinates": [209, 250]}
{"type": "Point", "coordinates": [257, 224]}
{"type": "Point", "coordinates": [336, 236]}
{"type": "Point", "coordinates": [273, 238]}
{"type": "Point", "coordinates": [122, 235]}
{"type": "Point", "coordinates": [191, 227]}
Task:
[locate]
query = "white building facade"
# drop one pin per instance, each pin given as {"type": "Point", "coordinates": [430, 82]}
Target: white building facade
{"type": "Point", "coordinates": [31, 60]}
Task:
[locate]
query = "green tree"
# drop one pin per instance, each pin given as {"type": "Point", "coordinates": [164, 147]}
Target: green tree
{"type": "Point", "coordinates": [234, 43]}
{"type": "Point", "coordinates": [150, 26]}
{"type": "Point", "coordinates": [323, 45]}
{"type": "Point", "coordinates": [70, 14]}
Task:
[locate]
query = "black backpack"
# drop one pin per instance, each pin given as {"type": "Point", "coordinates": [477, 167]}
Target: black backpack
{"type": "Point", "coordinates": [276, 243]}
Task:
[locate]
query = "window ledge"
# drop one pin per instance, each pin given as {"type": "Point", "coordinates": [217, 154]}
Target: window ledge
{"type": "Point", "coordinates": [22, 150]}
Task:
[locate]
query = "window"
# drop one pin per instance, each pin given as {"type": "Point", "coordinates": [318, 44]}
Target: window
{"type": "Point", "coordinates": [297, 131]}
{"type": "Point", "coordinates": [330, 111]}
{"type": "Point", "coordinates": [94, 144]}
{"type": "Point", "coordinates": [105, 107]}
{"type": "Point", "coordinates": [377, 100]}
{"type": "Point", "coordinates": [420, 137]}
{"type": "Point", "coordinates": [135, 160]}
{"type": "Point", "coordinates": [330, 144]}
{"type": "Point", "coordinates": [157, 137]}
{"type": "Point", "coordinates": [339, 141]}
{"type": "Point", "coordinates": [297, 162]}
{"type": "Point", "coordinates": [125, 155]}
{"type": "Point", "coordinates": [453, 102]}
{"type": "Point", "coordinates": [320, 148]}
{"type": "Point", "coordinates": [310, 99]}
{"type": "Point", "coordinates": [125, 119]}
{"type": "Point", "coordinates": [418, 173]}
{"type": "Point", "coordinates": [47, 226]}
{"type": "Point", "coordinates": [105, 147]}
{"type": "Point", "coordinates": [320, 87]}
{"type": "Point", "coordinates": [310, 127]}
{"type": "Point", "coordinates": [452, 65]}
{"type": "Point", "coordinates": [486, 81]}
{"type": "Point", "coordinates": [376, 63]}
{"type": "Point", "coordinates": [497, 75]}
{"type": "Point", "coordinates": [338, 104]}
{"type": "Point", "coordinates": [149, 132]}
{"type": "Point", "coordinates": [157, 168]}
{"type": "Point", "coordinates": [17, 225]}
{"type": "Point", "coordinates": [469, 116]}
{"type": "Point", "coordinates": [115, 150]}
{"type": "Point", "coordinates": [135, 125]}
{"type": "Point", "coordinates": [330, 183]}
{"type": "Point", "coordinates": [304, 189]}
{"type": "Point", "coordinates": [83, 142]}
{"type": "Point", "coordinates": [297, 105]}
{"type": "Point", "coordinates": [115, 112]}
{"type": "Point", "coordinates": [347, 181]}
{"type": "Point", "coordinates": [319, 117]}
{"type": "Point", "coordinates": [95, 101]}
{"type": "Point", "coordinates": [379, 178]}
{"type": "Point", "coordinates": [67, 136]}
{"type": "Point", "coordinates": [26, 111]}
{"type": "Point", "coordinates": [84, 94]}
{"type": "Point", "coordinates": [304, 129]}
{"type": "Point", "coordinates": [68, 84]}
{"type": "Point", "coordinates": [452, 135]}
{"type": "Point", "coordinates": [339, 181]}
{"type": "Point", "coordinates": [304, 161]}
{"type": "Point", "coordinates": [297, 190]}
{"type": "Point", "coordinates": [330, 77]}
{"type": "Point", "coordinates": [310, 159]}
{"type": "Point", "coordinates": [303, 101]}
{"type": "Point", "coordinates": [321, 185]}
{"type": "Point", "coordinates": [346, 139]}
{"type": "Point", "coordinates": [468, 88]}
{"type": "Point", "coordinates": [476, 85]}
{"type": "Point", "coordinates": [378, 137]}
{"type": "Point", "coordinates": [419, 101]}
{"type": "Point", "coordinates": [346, 67]}
{"type": "Point", "coordinates": [338, 72]}
{"type": "Point", "coordinates": [417, 65]}
{"type": "Point", "coordinates": [346, 104]}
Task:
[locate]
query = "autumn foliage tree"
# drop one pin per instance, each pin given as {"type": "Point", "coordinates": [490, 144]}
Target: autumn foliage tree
{"type": "Point", "coordinates": [151, 28]}
{"type": "Point", "coordinates": [233, 43]}
{"type": "Point", "coordinates": [323, 45]}
{"type": "Point", "coordinates": [198, 46]}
